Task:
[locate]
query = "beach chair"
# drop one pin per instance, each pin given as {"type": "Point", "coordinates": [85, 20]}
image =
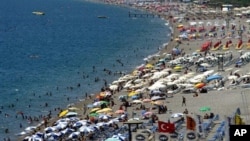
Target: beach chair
{"type": "Point", "coordinates": [227, 45]}
{"type": "Point", "coordinates": [217, 46]}
{"type": "Point", "coordinates": [239, 45]}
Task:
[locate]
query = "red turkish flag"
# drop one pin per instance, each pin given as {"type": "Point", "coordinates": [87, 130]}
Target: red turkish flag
{"type": "Point", "coordinates": [166, 127]}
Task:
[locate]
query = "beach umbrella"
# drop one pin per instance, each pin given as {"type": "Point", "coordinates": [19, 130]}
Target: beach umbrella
{"type": "Point", "coordinates": [74, 135]}
{"type": "Point", "coordinates": [199, 85]}
{"type": "Point", "coordinates": [53, 135]}
{"type": "Point", "coordinates": [214, 77]}
{"type": "Point", "coordinates": [177, 68]}
{"type": "Point", "coordinates": [136, 101]}
{"type": "Point", "coordinates": [94, 110]}
{"type": "Point", "coordinates": [232, 77]}
{"type": "Point", "coordinates": [80, 123]}
{"type": "Point", "coordinates": [113, 87]}
{"type": "Point", "coordinates": [205, 109]}
{"type": "Point", "coordinates": [67, 131]}
{"type": "Point", "coordinates": [93, 114]}
{"type": "Point", "coordinates": [119, 111]}
{"type": "Point", "coordinates": [205, 65]}
{"type": "Point", "coordinates": [63, 113]}
{"type": "Point", "coordinates": [71, 114]}
{"type": "Point", "coordinates": [61, 125]}
{"type": "Point", "coordinates": [132, 93]}
{"type": "Point", "coordinates": [158, 102]}
{"type": "Point", "coordinates": [175, 115]}
{"type": "Point", "coordinates": [50, 129]}
{"type": "Point", "coordinates": [157, 98]}
{"type": "Point", "coordinates": [176, 51]}
{"type": "Point", "coordinates": [134, 97]}
{"type": "Point", "coordinates": [104, 110]}
{"type": "Point", "coordinates": [149, 66]}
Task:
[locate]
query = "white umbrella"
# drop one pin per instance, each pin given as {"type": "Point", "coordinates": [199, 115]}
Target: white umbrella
{"type": "Point", "coordinates": [50, 129]}
{"type": "Point", "coordinates": [85, 129]}
{"type": "Point", "coordinates": [136, 101]}
{"type": "Point", "coordinates": [61, 125]}
{"type": "Point", "coordinates": [74, 135]}
{"type": "Point", "coordinates": [113, 87]}
{"type": "Point", "coordinates": [80, 123]}
{"type": "Point", "coordinates": [67, 131]}
{"type": "Point", "coordinates": [232, 77]}
{"type": "Point", "coordinates": [70, 114]}
{"type": "Point", "coordinates": [175, 115]}
{"type": "Point", "coordinates": [157, 98]}
{"type": "Point", "coordinates": [104, 117]}
{"type": "Point", "coordinates": [205, 65]}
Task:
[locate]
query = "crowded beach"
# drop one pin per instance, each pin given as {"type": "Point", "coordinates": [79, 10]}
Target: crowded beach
{"type": "Point", "coordinates": [187, 91]}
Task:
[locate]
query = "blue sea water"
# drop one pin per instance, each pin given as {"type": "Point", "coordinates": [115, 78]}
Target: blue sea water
{"type": "Point", "coordinates": [41, 57]}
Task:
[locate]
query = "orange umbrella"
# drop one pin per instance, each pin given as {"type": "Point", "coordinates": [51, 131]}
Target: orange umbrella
{"type": "Point", "coordinates": [199, 85]}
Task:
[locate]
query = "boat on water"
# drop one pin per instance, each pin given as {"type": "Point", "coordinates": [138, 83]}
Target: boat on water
{"type": "Point", "coordinates": [102, 17]}
{"type": "Point", "coordinates": [38, 13]}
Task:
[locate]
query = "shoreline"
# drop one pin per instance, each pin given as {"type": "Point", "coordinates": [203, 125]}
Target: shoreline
{"type": "Point", "coordinates": [79, 104]}
{"type": "Point", "coordinates": [174, 103]}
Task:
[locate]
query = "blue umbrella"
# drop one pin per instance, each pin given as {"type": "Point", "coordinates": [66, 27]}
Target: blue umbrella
{"type": "Point", "coordinates": [214, 77]}
{"type": "Point", "coordinates": [176, 51]}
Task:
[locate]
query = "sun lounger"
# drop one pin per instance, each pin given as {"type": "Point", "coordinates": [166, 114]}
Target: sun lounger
{"type": "Point", "coordinates": [239, 45]}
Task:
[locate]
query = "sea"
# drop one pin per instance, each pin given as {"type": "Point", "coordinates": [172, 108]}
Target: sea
{"type": "Point", "coordinates": [50, 61]}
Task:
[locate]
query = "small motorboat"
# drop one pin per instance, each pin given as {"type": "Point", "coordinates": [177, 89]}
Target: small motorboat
{"type": "Point", "coordinates": [38, 13]}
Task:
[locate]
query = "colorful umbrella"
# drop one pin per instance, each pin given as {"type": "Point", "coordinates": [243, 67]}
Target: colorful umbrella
{"type": "Point", "coordinates": [199, 85]}
{"type": "Point", "coordinates": [63, 113]}
{"type": "Point", "coordinates": [104, 110]}
{"type": "Point", "coordinates": [205, 109]}
{"type": "Point", "coordinates": [132, 93]}
{"type": "Point", "coordinates": [136, 101]}
{"type": "Point", "coordinates": [94, 110]}
{"type": "Point", "coordinates": [149, 66]}
{"type": "Point", "coordinates": [214, 77]}
{"type": "Point", "coordinates": [94, 115]}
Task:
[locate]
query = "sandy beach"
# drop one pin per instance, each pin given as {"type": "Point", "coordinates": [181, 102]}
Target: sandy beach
{"type": "Point", "coordinates": [222, 99]}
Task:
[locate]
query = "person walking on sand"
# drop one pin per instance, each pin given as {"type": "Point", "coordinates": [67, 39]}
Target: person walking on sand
{"type": "Point", "coordinates": [183, 101]}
